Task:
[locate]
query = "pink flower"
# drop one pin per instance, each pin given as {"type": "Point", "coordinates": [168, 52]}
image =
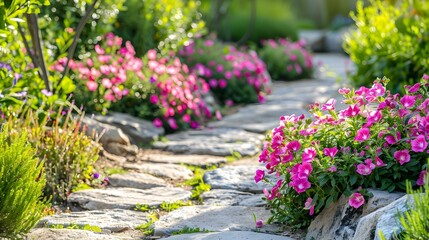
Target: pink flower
{"type": "Point", "coordinates": [332, 169]}
{"type": "Point", "coordinates": [330, 152]}
{"type": "Point", "coordinates": [362, 134]}
{"type": "Point", "coordinates": [294, 146]}
{"type": "Point", "coordinates": [106, 83]}
{"type": "Point", "coordinates": [408, 101]}
{"type": "Point", "coordinates": [374, 116]}
{"type": "Point", "coordinates": [309, 206]}
{"type": "Point", "coordinates": [259, 224]}
{"type": "Point", "coordinates": [308, 154]}
{"type": "Point", "coordinates": [157, 122]}
{"type": "Point", "coordinates": [92, 86]}
{"type": "Point", "coordinates": [260, 174]}
{"type": "Point", "coordinates": [186, 118]}
{"type": "Point", "coordinates": [419, 144]}
{"type": "Point", "coordinates": [154, 99]}
{"type": "Point", "coordinates": [351, 111]}
{"type": "Point", "coordinates": [329, 105]}
{"type": "Point", "coordinates": [301, 185]}
{"type": "Point", "coordinates": [363, 169]}
{"type": "Point", "coordinates": [421, 180]}
{"type": "Point", "coordinates": [370, 164]}
{"type": "Point", "coordinates": [379, 162]}
{"type": "Point", "coordinates": [222, 83]}
{"type": "Point", "coordinates": [172, 123]}
{"type": "Point", "coordinates": [402, 156]}
{"type": "Point", "coordinates": [413, 88]}
{"type": "Point", "coordinates": [194, 125]}
{"type": "Point", "coordinates": [356, 200]}
{"type": "Point", "coordinates": [151, 54]}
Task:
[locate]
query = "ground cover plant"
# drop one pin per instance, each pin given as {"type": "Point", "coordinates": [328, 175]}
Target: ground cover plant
{"type": "Point", "coordinates": [378, 141]}
{"type": "Point", "coordinates": [390, 40]}
{"type": "Point", "coordinates": [234, 76]}
{"type": "Point", "coordinates": [286, 60]}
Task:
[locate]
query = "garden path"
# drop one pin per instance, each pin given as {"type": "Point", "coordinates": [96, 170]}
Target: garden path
{"type": "Point", "coordinates": [154, 176]}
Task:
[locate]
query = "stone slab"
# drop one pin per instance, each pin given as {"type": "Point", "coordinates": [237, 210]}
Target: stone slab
{"type": "Point", "coordinates": [240, 178]}
{"type": "Point", "coordinates": [136, 180]}
{"type": "Point", "coordinates": [171, 171]}
{"type": "Point", "coordinates": [224, 197]}
{"type": "Point", "coordinates": [139, 130]}
{"type": "Point", "coordinates": [67, 234]}
{"type": "Point", "coordinates": [213, 141]}
{"type": "Point", "coordinates": [113, 220]}
{"type": "Point", "coordinates": [236, 235]}
{"type": "Point", "coordinates": [126, 198]}
{"type": "Point", "coordinates": [194, 160]}
{"type": "Point", "coordinates": [212, 218]}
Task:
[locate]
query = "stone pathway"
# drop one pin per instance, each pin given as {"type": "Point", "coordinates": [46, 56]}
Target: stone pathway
{"type": "Point", "coordinates": [155, 177]}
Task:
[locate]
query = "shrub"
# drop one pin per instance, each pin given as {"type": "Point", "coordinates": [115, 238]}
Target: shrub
{"type": "Point", "coordinates": [390, 40]}
{"type": "Point", "coordinates": [379, 140]}
{"type": "Point", "coordinates": [165, 25]}
{"type": "Point", "coordinates": [101, 76]}
{"type": "Point", "coordinates": [234, 76]}
{"type": "Point", "coordinates": [286, 60]}
{"type": "Point", "coordinates": [21, 184]}
{"type": "Point", "coordinates": [68, 154]}
{"type": "Point", "coordinates": [169, 94]}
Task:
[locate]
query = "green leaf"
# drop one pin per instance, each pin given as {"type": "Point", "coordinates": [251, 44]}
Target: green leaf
{"type": "Point", "coordinates": [353, 179]}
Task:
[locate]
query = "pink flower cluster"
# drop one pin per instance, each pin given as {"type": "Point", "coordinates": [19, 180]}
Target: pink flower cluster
{"type": "Point", "coordinates": [228, 70]}
{"type": "Point", "coordinates": [378, 140]}
{"type": "Point", "coordinates": [177, 92]}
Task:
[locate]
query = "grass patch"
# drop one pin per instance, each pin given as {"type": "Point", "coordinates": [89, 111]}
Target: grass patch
{"type": "Point", "coordinates": [114, 170]}
{"type": "Point", "coordinates": [189, 230]}
{"type": "Point", "coordinates": [147, 228]}
{"type": "Point", "coordinates": [171, 206]}
{"type": "Point", "coordinates": [197, 182]}
{"type": "Point", "coordinates": [75, 226]}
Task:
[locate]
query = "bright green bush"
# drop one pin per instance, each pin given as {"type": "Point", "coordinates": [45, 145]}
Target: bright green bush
{"type": "Point", "coordinates": [21, 184]}
{"type": "Point", "coordinates": [164, 25]}
{"type": "Point", "coordinates": [390, 40]}
{"type": "Point", "coordinates": [68, 154]}
{"type": "Point", "coordinates": [286, 60]}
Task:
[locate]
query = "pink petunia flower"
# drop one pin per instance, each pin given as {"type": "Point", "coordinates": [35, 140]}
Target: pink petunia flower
{"type": "Point", "coordinates": [330, 152]}
{"type": "Point", "coordinates": [408, 101]}
{"type": "Point", "coordinates": [402, 156]}
{"type": "Point", "coordinates": [260, 174]}
{"type": "Point", "coordinates": [294, 146]}
{"type": "Point", "coordinates": [157, 122]}
{"type": "Point", "coordinates": [421, 180]}
{"type": "Point", "coordinates": [356, 200]}
{"type": "Point", "coordinates": [309, 206]}
{"type": "Point", "coordinates": [308, 154]}
{"type": "Point", "coordinates": [301, 185]}
{"type": "Point", "coordinates": [362, 134]}
{"type": "Point", "coordinates": [363, 169]}
{"type": "Point", "coordinates": [419, 144]}
{"type": "Point", "coordinates": [92, 86]}
{"type": "Point", "coordinates": [329, 105]}
{"type": "Point", "coordinates": [259, 224]}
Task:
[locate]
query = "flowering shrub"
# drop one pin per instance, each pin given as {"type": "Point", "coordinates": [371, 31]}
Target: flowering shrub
{"type": "Point", "coordinates": [234, 76]}
{"type": "Point", "coordinates": [100, 77]}
{"type": "Point", "coordinates": [169, 94]}
{"type": "Point", "coordinates": [286, 60]}
{"type": "Point", "coordinates": [378, 141]}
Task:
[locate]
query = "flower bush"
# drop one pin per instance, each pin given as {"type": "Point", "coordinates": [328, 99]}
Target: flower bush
{"type": "Point", "coordinates": [378, 141]}
{"type": "Point", "coordinates": [234, 76]}
{"type": "Point", "coordinates": [287, 60]}
{"type": "Point", "coordinates": [169, 94]}
{"type": "Point", "coordinates": [100, 77]}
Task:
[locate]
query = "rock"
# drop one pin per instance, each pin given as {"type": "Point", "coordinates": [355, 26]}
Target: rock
{"type": "Point", "coordinates": [112, 157]}
{"type": "Point", "coordinates": [253, 201]}
{"type": "Point", "coordinates": [217, 141]}
{"type": "Point", "coordinates": [67, 234]}
{"type": "Point", "coordinates": [139, 130]}
{"type": "Point", "coordinates": [171, 171]}
{"type": "Point", "coordinates": [240, 178]}
{"type": "Point", "coordinates": [339, 220]}
{"type": "Point", "coordinates": [388, 223]}
{"type": "Point", "coordinates": [109, 133]}
{"type": "Point", "coordinates": [195, 160]}
{"type": "Point", "coordinates": [126, 198]}
{"type": "Point", "coordinates": [110, 220]}
{"type": "Point", "coordinates": [136, 180]}
{"type": "Point", "coordinates": [236, 235]}
{"type": "Point", "coordinates": [212, 218]}
{"type": "Point", "coordinates": [121, 150]}
{"type": "Point", "coordinates": [224, 197]}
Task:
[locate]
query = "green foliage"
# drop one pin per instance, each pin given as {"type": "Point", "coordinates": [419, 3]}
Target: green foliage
{"type": "Point", "coordinates": [147, 228]}
{"type": "Point", "coordinates": [114, 170]}
{"type": "Point", "coordinates": [197, 182]}
{"type": "Point", "coordinates": [21, 184]}
{"type": "Point", "coordinates": [415, 222]}
{"type": "Point", "coordinates": [186, 230]}
{"type": "Point", "coordinates": [67, 152]}
{"type": "Point", "coordinates": [86, 227]}
{"type": "Point", "coordinates": [171, 206]}
{"type": "Point", "coordinates": [162, 24]}
{"type": "Point", "coordinates": [286, 60]}
{"type": "Point", "coordinates": [390, 40]}
{"type": "Point", "coordinates": [64, 15]}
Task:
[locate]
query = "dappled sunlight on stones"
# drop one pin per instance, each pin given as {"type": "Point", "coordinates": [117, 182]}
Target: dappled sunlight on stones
{"type": "Point", "coordinates": [171, 171]}
{"type": "Point", "coordinates": [136, 180]}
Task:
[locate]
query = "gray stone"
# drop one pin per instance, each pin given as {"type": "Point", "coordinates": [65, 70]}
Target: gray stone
{"type": "Point", "coordinates": [224, 197]}
{"type": "Point", "coordinates": [240, 178]}
{"type": "Point", "coordinates": [236, 235]}
{"type": "Point", "coordinates": [217, 141]}
{"type": "Point", "coordinates": [195, 160]}
{"type": "Point", "coordinates": [107, 133]}
{"type": "Point", "coordinates": [67, 234]}
{"type": "Point", "coordinates": [126, 198]}
{"type": "Point", "coordinates": [253, 201]}
{"type": "Point", "coordinates": [339, 220]}
{"type": "Point", "coordinates": [112, 157]}
{"type": "Point", "coordinates": [112, 220]}
{"type": "Point", "coordinates": [139, 130]}
{"type": "Point", "coordinates": [212, 218]}
{"type": "Point", "coordinates": [121, 150]}
{"type": "Point", "coordinates": [136, 180]}
{"type": "Point", "coordinates": [171, 171]}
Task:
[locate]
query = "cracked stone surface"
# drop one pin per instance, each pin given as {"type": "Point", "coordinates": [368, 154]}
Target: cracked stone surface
{"type": "Point", "coordinates": [171, 171]}
{"type": "Point", "coordinates": [195, 160]}
{"type": "Point", "coordinates": [67, 234]}
{"type": "Point", "coordinates": [226, 197]}
{"type": "Point", "coordinates": [126, 198]}
{"type": "Point", "coordinates": [136, 180]}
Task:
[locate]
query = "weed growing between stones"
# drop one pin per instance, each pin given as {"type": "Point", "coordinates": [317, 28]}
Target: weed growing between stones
{"type": "Point", "coordinates": [115, 170]}
{"type": "Point", "coordinates": [197, 182]}
{"type": "Point", "coordinates": [86, 227]}
{"type": "Point", "coordinates": [165, 206]}
{"type": "Point", "coordinates": [234, 157]}
{"type": "Point", "coordinates": [147, 228]}
{"type": "Point", "coordinates": [186, 230]}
